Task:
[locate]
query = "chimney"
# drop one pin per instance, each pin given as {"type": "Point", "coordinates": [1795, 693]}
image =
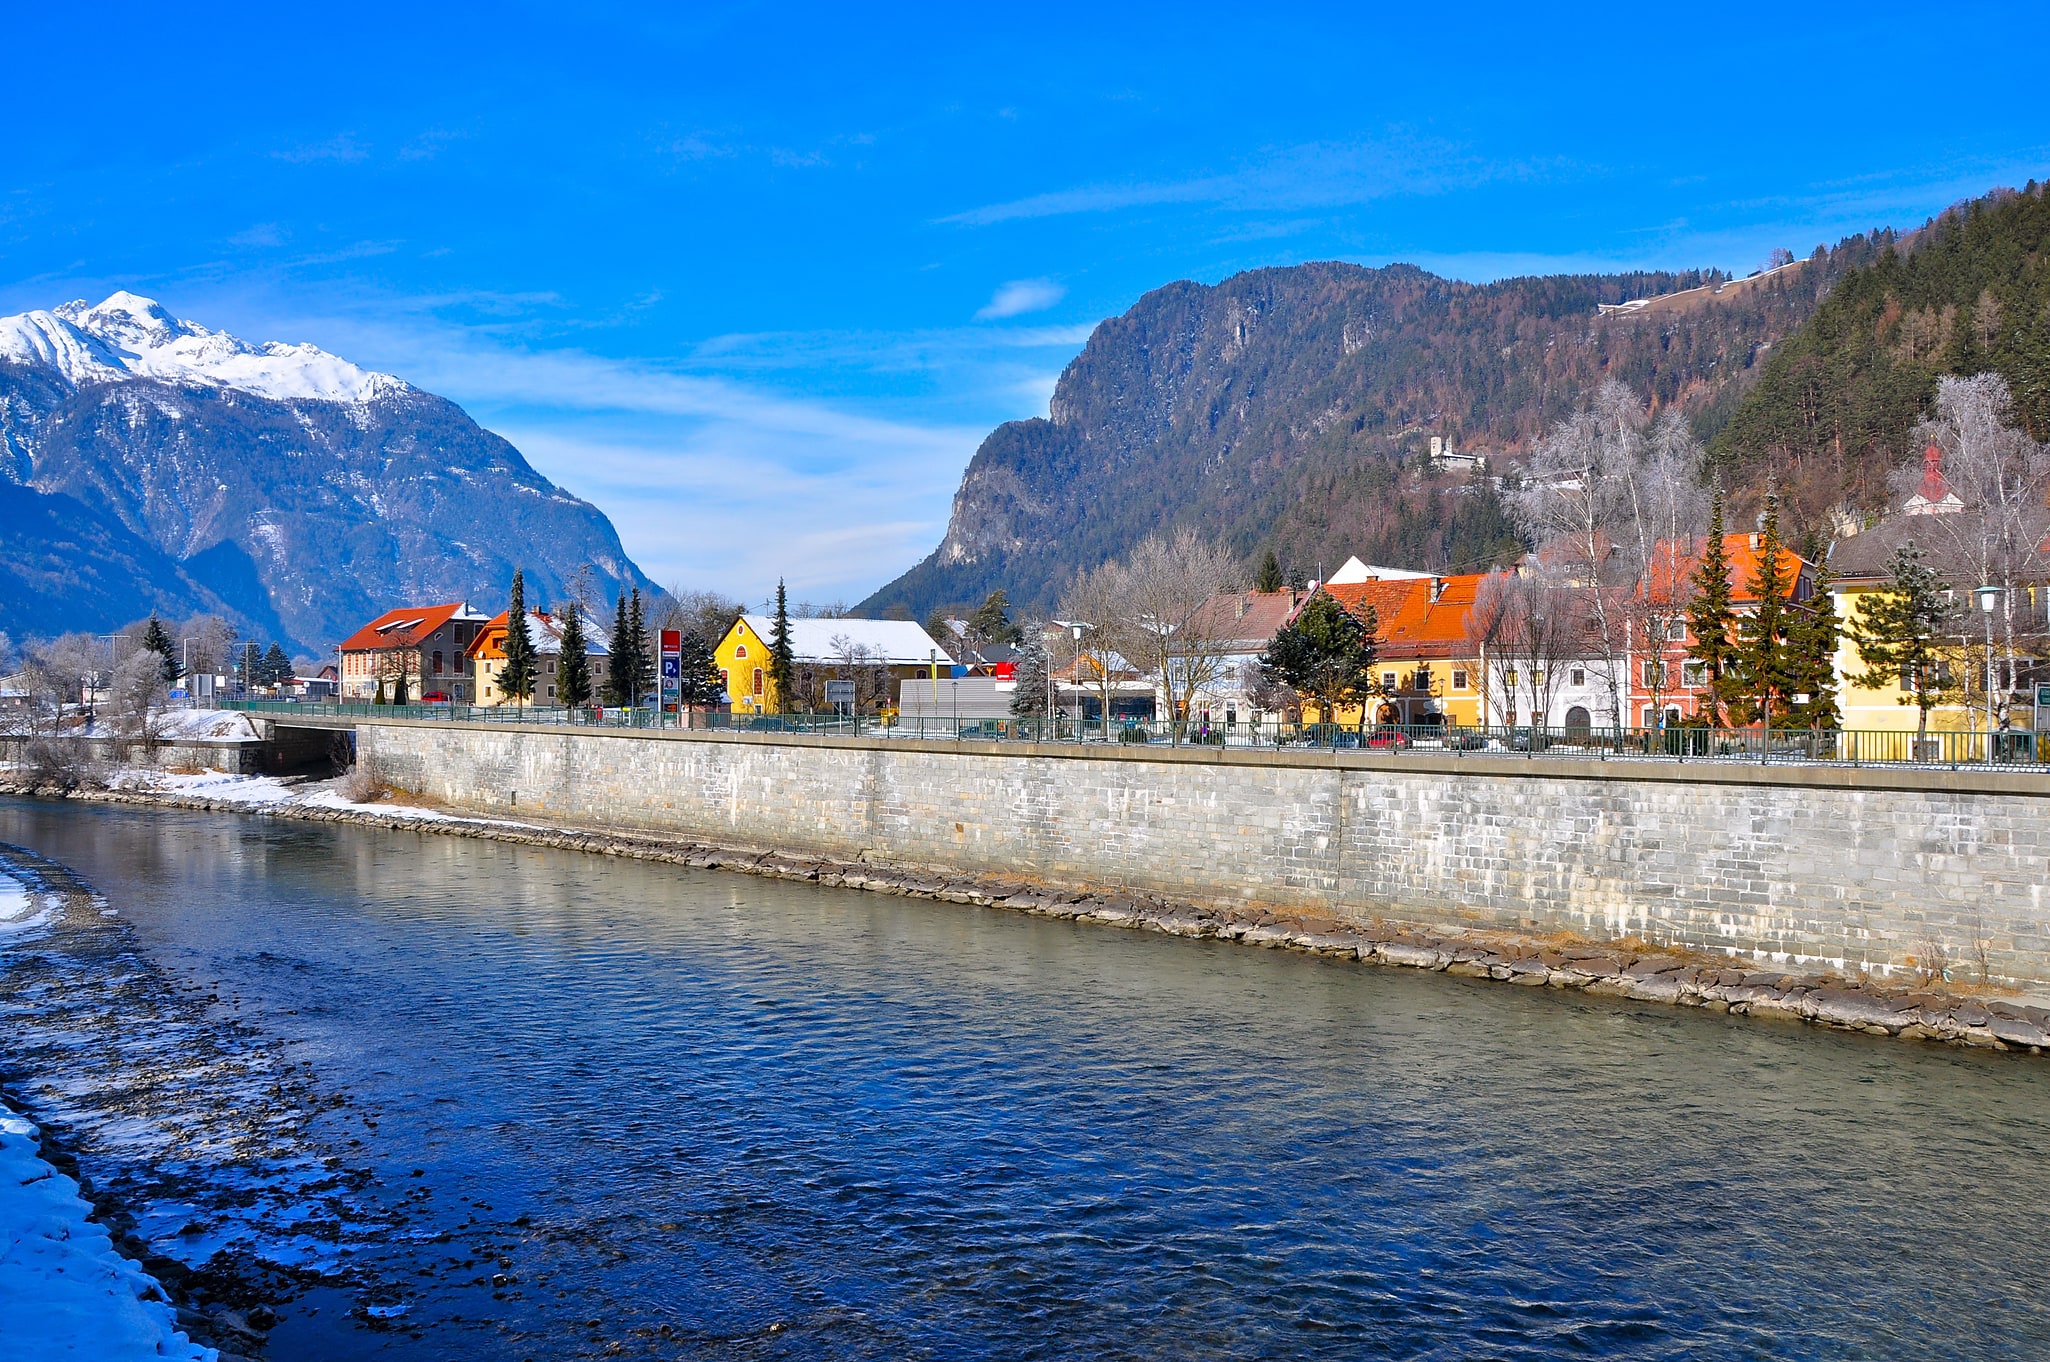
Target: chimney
{"type": "Point", "coordinates": [1437, 589]}
{"type": "Point", "coordinates": [1757, 541]}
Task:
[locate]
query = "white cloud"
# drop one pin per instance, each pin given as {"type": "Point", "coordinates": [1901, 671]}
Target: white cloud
{"type": "Point", "coordinates": [1021, 296]}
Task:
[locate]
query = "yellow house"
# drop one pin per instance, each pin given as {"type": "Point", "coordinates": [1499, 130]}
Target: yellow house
{"type": "Point", "coordinates": [875, 655]}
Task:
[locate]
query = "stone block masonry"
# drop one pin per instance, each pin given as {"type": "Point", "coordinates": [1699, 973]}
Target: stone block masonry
{"type": "Point", "coordinates": [1891, 872]}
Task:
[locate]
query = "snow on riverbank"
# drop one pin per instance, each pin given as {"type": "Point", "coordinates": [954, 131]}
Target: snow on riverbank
{"type": "Point", "coordinates": [64, 1289]}
{"type": "Point", "coordinates": [20, 910]}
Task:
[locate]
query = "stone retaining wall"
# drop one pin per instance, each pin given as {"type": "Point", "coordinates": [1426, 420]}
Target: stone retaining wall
{"type": "Point", "coordinates": [1893, 873]}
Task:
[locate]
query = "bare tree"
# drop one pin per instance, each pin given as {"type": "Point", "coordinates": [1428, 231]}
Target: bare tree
{"type": "Point", "coordinates": [1091, 603]}
{"type": "Point", "coordinates": [1667, 509]}
{"type": "Point", "coordinates": [1158, 620]}
{"type": "Point", "coordinates": [135, 698]}
{"type": "Point", "coordinates": [857, 663]}
{"type": "Point", "coordinates": [1523, 629]}
{"type": "Point", "coordinates": [707, 613]}
{"type": "Point", "coordinates": [1575, 507]}
{"type": "Point", "coordinates": [205, 644]}
{"type": "Point", "coordinates": [2000, 475]}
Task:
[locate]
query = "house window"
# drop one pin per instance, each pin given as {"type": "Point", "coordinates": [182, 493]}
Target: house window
{"type": "Point", "coordinates": [1654, 672]}
{"type": "Point", "coordinates": [1422, 680]}
{"type": "Point", "coordinates": [758, 680]}
{"type": "Point", "coordinates": [1578, 676]}
{"type": "Point", "coordinates": [1509, 677]}
{"type": "Point", "coordinates": [1537, 678]}
{"type": "Point", "coordinates": [1676, 632]}
{"type": "Point", "coordinates": [1693, 673]}
{"type": "Point", "coordinates": [740, 650]}
{"type": "Point", "coordinates": [437, 662]}
{"type": "Point", "coordinates": [725, 682]}
{"type": "Point", "coordinates": [1458, 679]}
{"type": "Point", "coordinates": [1387, 680]}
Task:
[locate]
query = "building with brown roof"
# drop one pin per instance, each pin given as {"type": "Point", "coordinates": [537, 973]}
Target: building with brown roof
{"type": "Point", "coordinates": [413, 651]}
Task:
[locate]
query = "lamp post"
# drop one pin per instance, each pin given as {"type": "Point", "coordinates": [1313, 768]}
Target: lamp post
{"type": "Point", "coordinates": [1078, 688]}
{"type": "Point", "coordinates": [1989, 596]}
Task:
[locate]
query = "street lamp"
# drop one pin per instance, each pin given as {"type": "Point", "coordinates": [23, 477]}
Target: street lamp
{"type": "Point", "coordinates": [1078, 688]}
{"type": "Point", "coordinates": [1989, 596]}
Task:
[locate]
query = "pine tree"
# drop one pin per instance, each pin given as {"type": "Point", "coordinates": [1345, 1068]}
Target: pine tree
{"type": "Point", "coordinates": [1897, 634]}
{"type": "Point", "coordinates": [641, 661]}
{"type": "Point", "coordinates": [159, 642]}
{"type": "Point", "coordinates": [516, 678]}
{"type": "Point", "coordinates": [991, 622]}
{"type": "Point", "coordinates": [1766, 664]}
{"type": "Point", "coordinates": [1325, 652]}
{"type": "Point", "coordinates": [618, 688]}
{"type": "Point", "coordinates": [1813, 641]}
{"type": "Point", "coordinates": [781, 661]}
{"type": "Point", "coordinates": [277, 666]}
{"type": "Point", "coordinates": [1268, 578]}
{"type": "Point", "coordinates": [1029, 699]}
{"type": "Point", "coordinates": [699, 682]}
{"type": "Point", "coordinates": [1711, 620]}
{"type": "Point", "coordinates": [573, 671]}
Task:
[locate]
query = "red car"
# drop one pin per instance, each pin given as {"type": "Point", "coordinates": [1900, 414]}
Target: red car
{"type": "Point", "coordinates": [1388, 738]}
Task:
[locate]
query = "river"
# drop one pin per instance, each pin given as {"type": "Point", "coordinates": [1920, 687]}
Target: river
{"type": "Point", "coordinates": [438, 1098]}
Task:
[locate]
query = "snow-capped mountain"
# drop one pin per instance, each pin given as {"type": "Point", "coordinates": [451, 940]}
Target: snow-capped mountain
{"type": "Point", "coordinates": [130, 335]}
{"type": "Point", "coordinates": [148, 463]}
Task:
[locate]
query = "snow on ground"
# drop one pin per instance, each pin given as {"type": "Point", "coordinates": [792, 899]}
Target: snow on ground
{"type": "Point", "coordinates": [65, 1292]}
{"type": "Point", "coordinates": [174, 726]}
{"type": "Point", "coordinates": [21, 911]}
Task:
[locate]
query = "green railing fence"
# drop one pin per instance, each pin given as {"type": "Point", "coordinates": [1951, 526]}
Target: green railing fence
{"type": "Point", "coordinates": [1783, 746]}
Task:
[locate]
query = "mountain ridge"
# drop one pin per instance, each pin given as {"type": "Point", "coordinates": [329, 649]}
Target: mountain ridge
{"type": "Point", "coordinates": [1292, 408]}
{"type": "Point", "coordinates": [295, 490]}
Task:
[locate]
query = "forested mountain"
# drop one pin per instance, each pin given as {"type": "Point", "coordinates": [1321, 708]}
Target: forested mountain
{"type": "Point", "coordinates": [1835, 408]}
{"type": "Point", "coordinates": [1292, 408]}
{"type": "Point", "coordinates": [148, 463]}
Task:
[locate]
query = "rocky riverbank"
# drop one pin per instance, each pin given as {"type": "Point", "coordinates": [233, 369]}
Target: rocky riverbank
{"type": "Point", "coordinates": [1937, 1013]}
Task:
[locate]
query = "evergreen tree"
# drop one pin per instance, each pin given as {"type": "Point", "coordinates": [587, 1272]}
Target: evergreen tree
{"type": "Point", "coordinates": [158, 641]}
{"type": "Point", "coordinates": [1813, 641]}
{"type": "Point", "coordinates": [780, 658]}
{"type": "Point", "coordinates": [1030, 698]}
{"type": "Point", "coordinates": [618, 688]}
{"type": "Point", "coordinates": [1766, 663]}
{"type": "Point", "coordinates": [699, 683]}
{"type": "Point", "coordinates": [1897, 634]}
{"type": "Point", "coordinates": [1326, 653]}
{"type": "Point", "coordinates": [573, 671]}
{"type": "Point", "coordinates": [1268, 578]}
{"type": "Point", "coordinates": [516, 678]}
{"type": "Point", "coordinates": [991, 622]}
{"type": "Point", "coordinates": [380, 698]}
{"type": "Point", "coordinates": [641, 661]}
{"type": "Point", "coordinates": [277, 667]}
{"type": "Point", "coordinates": [1711, 619]}
{"type": "Point", "coordinates": [401, 694]}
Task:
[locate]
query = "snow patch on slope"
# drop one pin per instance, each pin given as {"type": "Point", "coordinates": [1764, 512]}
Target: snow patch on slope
{"type": "Point", "coordinates": [131, 335]}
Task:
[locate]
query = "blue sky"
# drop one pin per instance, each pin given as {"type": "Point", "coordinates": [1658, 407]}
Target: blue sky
{"type": "Point", "coordinates": [757, 279]}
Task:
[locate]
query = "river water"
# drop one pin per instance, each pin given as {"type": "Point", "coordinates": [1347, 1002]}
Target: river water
{"type": "Point", "coordinates": [480, 1101]}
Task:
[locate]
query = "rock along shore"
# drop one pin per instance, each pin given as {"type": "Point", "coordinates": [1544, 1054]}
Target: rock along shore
{"type": "Point", "coordinates": [1619, 969]}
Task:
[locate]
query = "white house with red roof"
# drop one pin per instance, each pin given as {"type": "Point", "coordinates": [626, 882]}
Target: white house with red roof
{"type": "Point", "coordinates": [411, 652]}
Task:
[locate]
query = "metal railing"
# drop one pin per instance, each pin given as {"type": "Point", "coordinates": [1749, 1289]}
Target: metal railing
{"type": "Point", "coordinates": [1839, 747]}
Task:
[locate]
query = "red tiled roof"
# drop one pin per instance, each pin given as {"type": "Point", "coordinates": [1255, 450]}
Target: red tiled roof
{"type": "Point", "coordinates": [1422, 617]}
{"type": "Point", "coordinates": [401, 627]}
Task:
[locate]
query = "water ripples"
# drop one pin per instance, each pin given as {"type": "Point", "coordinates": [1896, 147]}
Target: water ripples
{"type": "Point", "coordinates": [682, 1113]}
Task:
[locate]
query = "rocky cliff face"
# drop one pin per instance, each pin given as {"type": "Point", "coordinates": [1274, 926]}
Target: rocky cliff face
{"type": "Point", "coordinates": [1293, 408]}
{"type": "Point", "coordinates": [283, 485]}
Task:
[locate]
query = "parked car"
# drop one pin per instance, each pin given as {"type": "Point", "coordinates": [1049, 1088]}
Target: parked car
{"type": "Point", "coordinates": [1388, 738]}
{"type": "Point", "coordinates": [436, 697]}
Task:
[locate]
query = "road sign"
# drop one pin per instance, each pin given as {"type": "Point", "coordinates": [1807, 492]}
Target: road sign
{"type": "Point", "coordinates": [672, 665]}
{"type": "Point", "coordinates": [839, 692]}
